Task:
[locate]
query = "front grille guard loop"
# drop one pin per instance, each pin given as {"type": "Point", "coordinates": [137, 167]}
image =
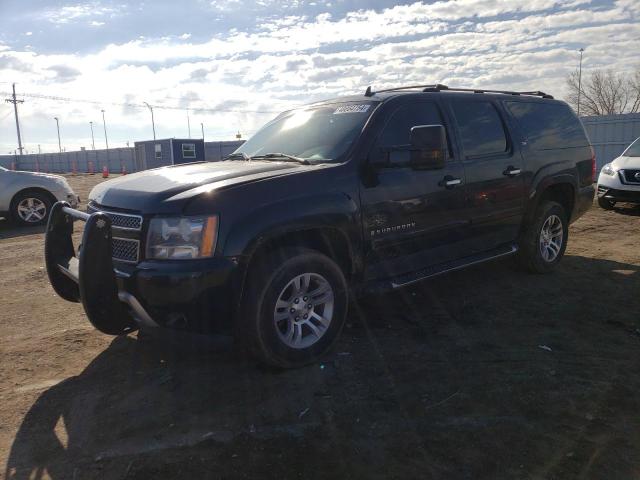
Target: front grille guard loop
{"type": "Point", "coordinates": [90, 276]}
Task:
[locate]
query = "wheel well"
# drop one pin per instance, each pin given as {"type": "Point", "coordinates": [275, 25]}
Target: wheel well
{"type": "Point", "coordinates": [563, 193]}
{"type": "Point", "coordinates": [43, 191]}
{"type": "Point", "coordinates": [328, 241]}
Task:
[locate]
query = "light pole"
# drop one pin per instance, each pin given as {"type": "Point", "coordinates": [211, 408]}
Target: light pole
{"type": "Point", "coordinates": [104, 124]}
{"type": "Point", "coordinates": [202, 127]}
{"type": "Point", "coordinates": [580, 80]}
{"type": "Point", "coordinates": [188, 123]}
{"type": "Point", "coordinates": [58, 128]}
{"type": "Point", "coordinates": [153, 123]}
{"type": "Point", "coordinates": [93, 141]}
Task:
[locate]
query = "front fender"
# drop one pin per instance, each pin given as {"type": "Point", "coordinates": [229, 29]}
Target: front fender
{"type": "Point", "coordinates": [331, 210]}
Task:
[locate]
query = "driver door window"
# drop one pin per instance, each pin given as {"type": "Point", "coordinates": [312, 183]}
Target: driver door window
{"type": "Point", "coordinates": [398, 129]}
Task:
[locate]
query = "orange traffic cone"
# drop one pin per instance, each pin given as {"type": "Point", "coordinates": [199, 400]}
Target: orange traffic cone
{"type": "Point", "coordinates": [105, 172]}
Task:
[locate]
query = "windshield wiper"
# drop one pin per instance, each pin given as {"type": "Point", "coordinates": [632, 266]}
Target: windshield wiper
{"type": "Point", "coordinates": [286, 156]}
{"type": "Point", "coordinates": [241, 155]}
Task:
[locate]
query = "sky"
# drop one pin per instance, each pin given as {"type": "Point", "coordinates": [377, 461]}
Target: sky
{"type": "Point", "coordinates": [232, 65]}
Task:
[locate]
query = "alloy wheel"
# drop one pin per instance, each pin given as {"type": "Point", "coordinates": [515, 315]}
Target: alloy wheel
{"type": "Point", "coordinates": [32, 210]}
{"type": "Point", "coordinates": [304, 310]}
{"type": "Point", "coordinates": [551, 237]}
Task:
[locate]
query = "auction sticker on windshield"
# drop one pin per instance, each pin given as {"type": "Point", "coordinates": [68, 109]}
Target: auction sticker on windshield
{"type": "Point", "coordinates": [352, 109]}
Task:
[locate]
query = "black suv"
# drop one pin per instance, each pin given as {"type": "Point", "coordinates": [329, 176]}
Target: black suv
{"type": "Point", "coordinates": [362, 193]}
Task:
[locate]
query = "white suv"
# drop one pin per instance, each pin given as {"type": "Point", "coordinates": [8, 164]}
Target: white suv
{"type": "Point", "coordinates": [619, 181]}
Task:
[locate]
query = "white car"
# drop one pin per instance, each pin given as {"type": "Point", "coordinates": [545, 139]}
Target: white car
{"type": "Point", "coordinates": [619, 181]}
{"type": "Point", "coordinates": [27, 197]}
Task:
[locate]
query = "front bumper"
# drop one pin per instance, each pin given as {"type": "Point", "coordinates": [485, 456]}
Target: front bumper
{"type": "Point", "coordinates": [618, 195]}
{"type": "Point", "coordinates": [68, 196]}
{"type": "Point", "coordinates": [196, 295]}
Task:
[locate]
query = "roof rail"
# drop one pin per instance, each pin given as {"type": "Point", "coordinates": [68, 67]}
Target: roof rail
{"type": "Point", "coordinates": [438, 87]}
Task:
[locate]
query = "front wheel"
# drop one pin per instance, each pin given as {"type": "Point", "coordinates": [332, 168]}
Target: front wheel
{"type": "Point", "coordinates": [543, 244]}
{"type": "Point", "coordinates": [31, 208]}
{"type": "Point", "coordinates": [294, 307]}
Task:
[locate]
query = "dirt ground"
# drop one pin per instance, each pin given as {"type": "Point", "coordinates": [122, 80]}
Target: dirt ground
{"type": "Point", "coordinates": [487, 373]}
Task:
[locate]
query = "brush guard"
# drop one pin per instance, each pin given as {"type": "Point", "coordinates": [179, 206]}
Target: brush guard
{"type": "Point", "coordinates": [90, 276]}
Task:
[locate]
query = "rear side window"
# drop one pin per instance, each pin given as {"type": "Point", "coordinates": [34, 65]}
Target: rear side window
{"type": "Point", "coordinates": [397, 132]}
{"type": "Point", "coordinates": [480, 127]}
{"type": "Point", "coordinates": [548, 126]}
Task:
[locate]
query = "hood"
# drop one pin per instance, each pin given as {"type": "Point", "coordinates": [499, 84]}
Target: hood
{"type": "Point", "coordinates": [627, 162]}
{"type": "Point", "coordinates": [152, 191]}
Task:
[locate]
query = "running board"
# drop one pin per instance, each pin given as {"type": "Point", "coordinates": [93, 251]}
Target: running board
{"type": "Point", "coordinates": [434, 271]}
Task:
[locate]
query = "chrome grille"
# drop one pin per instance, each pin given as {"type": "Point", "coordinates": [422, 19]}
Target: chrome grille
{"type": "Point", "coordinates": [126, 250]}
{"type": "Point", "coordinates": [119, 220]}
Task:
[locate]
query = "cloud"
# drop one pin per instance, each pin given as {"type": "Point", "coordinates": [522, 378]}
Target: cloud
{"type": "Point", "coordinates": [64, 73]}
{"type": "Point", "coordinates": [71, 13]}
{"type": "Point", "coordinates": [228, 79]}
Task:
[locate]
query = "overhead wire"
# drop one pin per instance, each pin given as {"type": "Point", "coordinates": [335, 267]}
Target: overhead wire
{"type": "Point", "coordinates": [138, 105]}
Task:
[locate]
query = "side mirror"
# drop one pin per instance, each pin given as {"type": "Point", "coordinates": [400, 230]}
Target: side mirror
{"type": "Point", "coordinates": [428, 147]}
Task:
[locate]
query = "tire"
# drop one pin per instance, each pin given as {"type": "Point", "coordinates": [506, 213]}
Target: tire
{"type": "Point", "coordinates": [537, 253]}
{"type": "Point", "coordinates": [606, 203]}
{"type": "Point", "coordinates": [31, 208]}
{"type": "Point", "coordinates": [281, 336]}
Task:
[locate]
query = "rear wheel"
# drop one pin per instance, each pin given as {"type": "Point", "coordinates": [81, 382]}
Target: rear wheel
{"type": "Point", "coordinates": [606, 203]}
{"type": "Point", "coordinates": [543, 244]}
{"type": "Point", "coordinates": [294, 307]}
{"type": "Point", "coordinates": [31, 208]}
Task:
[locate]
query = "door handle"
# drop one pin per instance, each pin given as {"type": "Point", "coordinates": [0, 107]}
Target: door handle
{"type": "Point", "coordinates": [450, 182]}
{"type": "Point", "coordinates": [511, 171]}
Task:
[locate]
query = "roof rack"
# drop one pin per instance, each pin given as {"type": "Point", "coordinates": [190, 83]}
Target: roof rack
{"type": "Point", "coordinates": [438, 87]}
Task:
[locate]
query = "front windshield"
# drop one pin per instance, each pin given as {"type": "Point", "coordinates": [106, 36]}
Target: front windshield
{"type": "Point", "coordinates": [633, 150]}
{"type": "Point", "coordinates": [317, 133]}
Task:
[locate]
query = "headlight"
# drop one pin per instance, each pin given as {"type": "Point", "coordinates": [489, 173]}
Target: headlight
{"type": "Point", "coordinates": [176, 238]}
{"type": "Point", "coordinates": [608, 170]}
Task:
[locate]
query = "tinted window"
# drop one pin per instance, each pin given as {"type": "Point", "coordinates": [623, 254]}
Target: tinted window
{"type": "Point", "coordinates": [322, 133]}
{"type": "Point", "coordinates": [548, 125]}
{"type": "Point", "coordinates": [480, 127]}
{"type": "Point", "coordinates": [398, 130]}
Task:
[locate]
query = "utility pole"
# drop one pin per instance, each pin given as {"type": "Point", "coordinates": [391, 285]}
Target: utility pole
{"type": "Point", "coordinates": [153, 123]}
{"type": "Point", "coordinates": [188, 123]}
{"type": "Point", "coordinates": [15, 111]}
{"type": "Point", "coordinates": [202, 127]}
{"type": "Point", "coordinates": [58, 127]}
{"type": "Point", "coordinates": [104, 123]}
{"type": "Point", "coordinates": [580, 81]}
{"type": "Point", "coordinates": [93, 141]}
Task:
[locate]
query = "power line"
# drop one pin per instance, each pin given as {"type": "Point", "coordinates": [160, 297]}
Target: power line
{"type": "Point", "coordinates": [138, 105]}
{"type": "Point", "coordinates": [15, 110]}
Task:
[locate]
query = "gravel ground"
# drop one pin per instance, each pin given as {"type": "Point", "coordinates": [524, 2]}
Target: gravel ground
{"type": "Point", "coordinates": [487, 373]}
